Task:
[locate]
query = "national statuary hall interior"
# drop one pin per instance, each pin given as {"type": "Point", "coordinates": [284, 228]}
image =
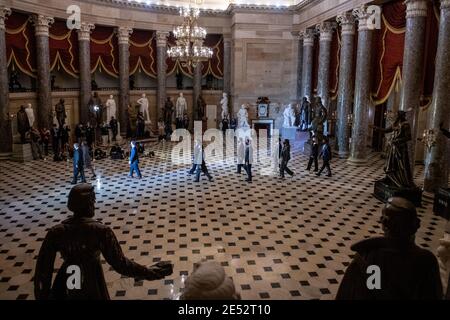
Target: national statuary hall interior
{"type": "Point", "coordinates": [226, 150]}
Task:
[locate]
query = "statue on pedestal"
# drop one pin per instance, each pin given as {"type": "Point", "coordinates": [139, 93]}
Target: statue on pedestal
{"type": "Point", "coordinates": [168, 111]}
{"type": "Point", "coordinates": [224, 104]}
{"type": "Point", "coordinates": [289, 117]}
{"type": "Point", "coordinates": [23, 124]}
{"type": "Point", "coordinates": [110, 108]}
{"type": "Point", "coordinates": [201, 107]}
{"type": "Point", "coordinates": [143, 108]}
{"type": "Point", "coordinates": [30, 114]}
{"type": "Point", "coordinates": [96, 109]}
{"type": "Point", "coordinates": [181, 106]}
{"type": "Point", "coordinates": [60, 111]}
{"type": "Point", "coordinates": [304, 114]}
{"type": "Point", "coordinates": [242, 116]}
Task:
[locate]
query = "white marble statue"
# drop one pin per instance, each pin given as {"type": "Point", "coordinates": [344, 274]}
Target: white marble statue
{"type": "Point", "coordinates": [224, 104]}
{"type": "Point", "coordinates": [143, 107]}
{"type": "Point", "coordinates": [111, 108]}
{"type": "Point", "coordinates": [242, 116]}
{"type": "Point", "coordinates": [30, 114]}
{"type": "Point", "coordinates": [289, 116]}
{"type": "Point", "coordinates": [181, 106]}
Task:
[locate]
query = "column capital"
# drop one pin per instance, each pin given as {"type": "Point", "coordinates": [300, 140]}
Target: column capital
{"type": "Point", "coordinates": [41, 24]}
{"type": "Point", "coordinates": [325, 29]}
{"type": "Point", "coordinates": [416, 8]}
{"type": "Point", "coordinates": [297, 35]}
{"type": "Point", "coordinates": [4, 13]}
{"type": "Point", "coordinates": [84, 33]}
{"type": "Point", "coordinates": [445, 4]}
{"type": "Point", "coordinates": [161, 38]}
{"type": "Point", "coordinates": [347, 22]}
{"type": "Point", "coordinates": [123, 34]}
{"type": "Point", "coordinates": [308, 37]}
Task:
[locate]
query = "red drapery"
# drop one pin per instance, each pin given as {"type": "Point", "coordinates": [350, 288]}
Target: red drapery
{"type": "Point", "coordinates": [20, 43]}
{"type": "Point", "coordinates": [143, 52]}
{"type": "Point", "coordinates": [388, 48]}
{"type": "Point", "coordinates": [63, 45]}
{"type": "Point", "coordinates": [335, 57]}
{"type": "Point", "coordinates": [104, 51]}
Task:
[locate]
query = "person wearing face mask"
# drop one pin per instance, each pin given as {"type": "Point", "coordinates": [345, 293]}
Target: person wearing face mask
{"type": "Point", "coordinates": [80, 240]}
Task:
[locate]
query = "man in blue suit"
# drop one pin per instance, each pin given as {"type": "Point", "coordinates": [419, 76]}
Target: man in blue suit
{"type": "Point", "coordinates": [134, 161]}
{"type": "Point", "coordinates": [78, 167]}
{"type": "Point", "coordinates": [326, 157]}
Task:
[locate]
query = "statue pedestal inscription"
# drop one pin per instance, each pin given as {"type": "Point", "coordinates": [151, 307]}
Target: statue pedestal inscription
{"type": "Point", "coordinates": [383, 191]}
{"type": "Point", "coordinates": [441, 205]}
{"type": "Point", "coordinates": [22, 152]}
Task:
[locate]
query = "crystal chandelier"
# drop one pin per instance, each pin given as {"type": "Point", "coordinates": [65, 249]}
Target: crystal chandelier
{"type": "Point", "coordinates": [189, 36]}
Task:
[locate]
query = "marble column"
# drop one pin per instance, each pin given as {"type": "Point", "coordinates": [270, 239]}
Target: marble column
{"type": "Point", "coordinates": [84, 51]}
{"type": "Point", "coordinates": [299, 41]}
{"type": "Point", "coordinates": [5, 127]}
{"type": "Point", "coordinates": [325, 29]}
{"type": "Point", "coordinates": [197, 92]}
{"type": "Point", "coordinates": [227, 64]}
{"type": "Point", "coordinates": [413, 67]}
{"type": "Point", "coordinates": [161, 53]}
{"type": "Point", "coordinates": [436, 160]}
{"type": "Point", "coordinates": [44, 96]}
{"type": "Point", "coordinates": [362, 99]}
{"type": "Point", "coordinates": [123, 34]}
{"type": "Point", "coordinates": [307, 68]}
{"type": "Point", "coordinates": [346, 82]}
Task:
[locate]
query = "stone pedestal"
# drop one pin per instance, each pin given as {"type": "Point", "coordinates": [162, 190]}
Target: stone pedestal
{"type": "Point", "coordinates": [289, 133]}
{"type": "Point", "coordinates": [383, 191]}
{"type": "Point", "coordinates": [22, 152]}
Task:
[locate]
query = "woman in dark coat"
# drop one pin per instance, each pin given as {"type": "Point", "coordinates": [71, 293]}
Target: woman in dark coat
{"type": "Point", "coordinates": [80, 240]}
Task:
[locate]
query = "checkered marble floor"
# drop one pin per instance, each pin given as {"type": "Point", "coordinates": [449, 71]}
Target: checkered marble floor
{"type": "Point", "coordinates": [278, 239]}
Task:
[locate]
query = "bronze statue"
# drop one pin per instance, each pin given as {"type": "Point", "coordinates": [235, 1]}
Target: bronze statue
{"type": "Point", "coordinates": [80, 240]}
{"type": "Point", "coordinates": [201, 106]}
{"type": "Point", "coordinates": [96, 109]}
{"type": "Point", "coordinates": [23, 124]}
{"type": "Point", "coordinates": [168, 111]}
{"type": "Point", "coordinates": [406, 271]}
{"type": "Point", "coordinates": [60, 111]}
{"type": "Point", "coordinates": [397, 167]}
{"type": "Point", "coordinates": [305, 120]}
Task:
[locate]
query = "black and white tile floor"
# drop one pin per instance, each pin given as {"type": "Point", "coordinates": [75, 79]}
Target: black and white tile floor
{"type": "Point", "coordinates": [278, 239]}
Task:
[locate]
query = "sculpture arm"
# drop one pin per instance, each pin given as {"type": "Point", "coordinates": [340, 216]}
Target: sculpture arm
{"type": "Point", "coordinates": [113, 254]}
{"type": "Point", "coordinates": [44, 268]}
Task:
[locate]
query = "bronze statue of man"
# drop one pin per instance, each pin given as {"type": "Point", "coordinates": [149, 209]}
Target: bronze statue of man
{"type": "Point", "coordinates": [80, 240]}
{"type": "Point", "coordinates": [168, 111]}
{"type": "Point", "coordinates": [23, 125]}
{"type": "Point", "coordinates": [60, 111]}
{"type": "Point", "coordinates": [201, 106]}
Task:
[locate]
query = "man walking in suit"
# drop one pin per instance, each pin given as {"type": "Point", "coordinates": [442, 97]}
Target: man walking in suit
{"type": "Point", "coordinates": [314, 155]}
{"type": "Point", "coordinates": [78, 168]}
{"type": "Point", "coordinates": [326, 157]}
{"type": "Point", "coordinates": [285, 157]}
{"type": "Point", "coordinates": [134, 161]}
{"type": "Point", "coordinates": [248, 159]}
{"type": "Point", "coordinates": [240, 155]}
{"type": "Point", "coordinates": [199, 162]}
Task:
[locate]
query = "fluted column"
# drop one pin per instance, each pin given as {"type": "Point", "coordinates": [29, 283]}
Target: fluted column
{"type": "Point", "coordinates": [197, 92]}
{"type": "Point", "coordinates": [161, 52]}
{"type": "Point", "coordinates": [346, 82]}
{"type": "Point", "coordinates": [84, 49]}
{"type": "Point", "coordinates": [227, 64]}
{"type": "Point", "coordinates": [325, 29]}
{"type": "Point", "coordinates": [358, 148]}
{"type": "Point", "coordinates": [123, 34]}
{"type": "Point", "coordinates": [307, 68]}
{"type": "Point", "coordinates": [436, 160]}
{"type": "Point", "coordinates": [413, 67]}
{"type": "Point", "coordinates": [5, 128]}
{"type": "Point", "coordinates": [299, 41]}
{"type": "Point", "coordinates": [44, 97]}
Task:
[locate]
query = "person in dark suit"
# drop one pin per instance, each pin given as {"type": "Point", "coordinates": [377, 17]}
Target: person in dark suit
{"type": "Point", "coordinates": [325, 154]}
{"type": "Point", "coordinates": [285, 157]}
{"type": "Point", "coordinates": [248, 159]}
{"type": "Point", "coordinates": [134, 161]}
{"type": "Point", "coordinates": [406, 271]}
{"type": "Point", "coordinates": [82, 240]}
{"type": "Point", "coordinates": [78, 165]}
{"type": "Point", "coordinates": [240, 155]}
{"type": "Point", "coordinates": [314, 155]}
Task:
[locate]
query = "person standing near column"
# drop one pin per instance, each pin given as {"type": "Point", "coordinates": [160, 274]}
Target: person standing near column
{"type": "Point", "coordinates": [134, 161]}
